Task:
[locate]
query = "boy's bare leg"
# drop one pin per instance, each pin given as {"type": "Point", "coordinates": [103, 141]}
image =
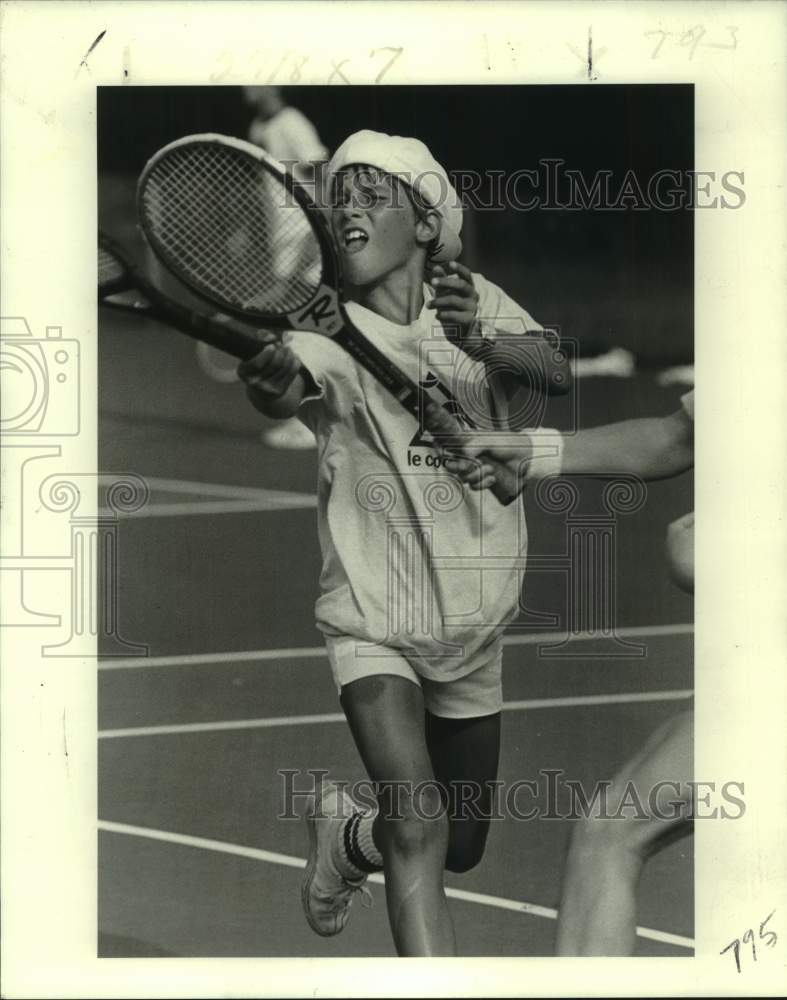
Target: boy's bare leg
{"type": "Point", "coordinates": [386, 716]}
{"type": "Point", "coordinates": [598, 905]}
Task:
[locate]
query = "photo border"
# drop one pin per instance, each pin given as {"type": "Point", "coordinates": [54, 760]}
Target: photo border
{"type": "Point", "coordinates": [54, 57]}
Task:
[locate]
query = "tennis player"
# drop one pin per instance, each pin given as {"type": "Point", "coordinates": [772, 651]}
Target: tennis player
{"type": "Point", "coordinates": [412, 626]}
{"type": "Point", "coordinates": [607, 854]}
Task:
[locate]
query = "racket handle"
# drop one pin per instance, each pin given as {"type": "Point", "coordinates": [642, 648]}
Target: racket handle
{"type": "Point", "coordinates": [218, 331]}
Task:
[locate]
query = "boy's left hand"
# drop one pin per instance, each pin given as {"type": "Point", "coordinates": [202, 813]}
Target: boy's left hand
{"type": "Point", "coordinates": [456, 304]}
{"type": "Point", "coordinates": [473, 461]}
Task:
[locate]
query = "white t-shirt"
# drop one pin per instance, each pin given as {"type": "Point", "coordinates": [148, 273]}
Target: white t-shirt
{"type": "Point", "coordinates": [411, 561]}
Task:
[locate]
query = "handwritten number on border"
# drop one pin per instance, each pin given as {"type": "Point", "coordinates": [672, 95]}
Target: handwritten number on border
{"type": "Point", "coordinates": [768, 937]}
{"type": "Point", "coordinates": [391, 61]}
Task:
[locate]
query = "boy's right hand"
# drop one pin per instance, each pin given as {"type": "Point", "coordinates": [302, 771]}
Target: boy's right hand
{"type": "Point", "coordinates": [271, 372]}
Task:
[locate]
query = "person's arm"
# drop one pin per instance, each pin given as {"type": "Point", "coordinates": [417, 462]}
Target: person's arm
{"type": "Point", "coordinates": [533, 361]}
{"type": "Point", "coordinates": [651, 448]}
{"type": "Point", "coordinates": [507, 340]}
{"type": "Point", "coordinates": [521, 346]}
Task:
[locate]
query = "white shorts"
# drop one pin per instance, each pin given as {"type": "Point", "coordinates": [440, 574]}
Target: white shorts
{"type": "Point", "coordinates": [477, 693]}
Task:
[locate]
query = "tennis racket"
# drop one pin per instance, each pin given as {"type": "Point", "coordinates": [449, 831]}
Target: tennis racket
{"type": "Point", "coordinates": [118, 276]}
{"type": "Point", "coordinates": [231, 223]}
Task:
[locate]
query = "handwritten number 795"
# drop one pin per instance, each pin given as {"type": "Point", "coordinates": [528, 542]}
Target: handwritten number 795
{"type": "Point", "coordinates": [768, 937]}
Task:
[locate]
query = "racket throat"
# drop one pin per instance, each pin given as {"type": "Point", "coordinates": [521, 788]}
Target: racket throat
{"type": "Point", "coordinates": [322, 315]}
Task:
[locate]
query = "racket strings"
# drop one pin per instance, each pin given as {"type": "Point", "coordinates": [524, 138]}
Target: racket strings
{"type": "Point", "coordinates": [230, 225]}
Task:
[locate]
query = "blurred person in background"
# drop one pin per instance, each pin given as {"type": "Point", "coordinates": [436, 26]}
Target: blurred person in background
{"type": "Point", "coordinates": [288, 135]}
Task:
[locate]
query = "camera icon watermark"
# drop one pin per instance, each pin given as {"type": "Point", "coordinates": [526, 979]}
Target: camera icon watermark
{"type": "Point", "coordinates": [40, 377]}
{"type": "Point", "coordinates": [41, 389]}
{"type": "Point", "coordinates": [496, 386]}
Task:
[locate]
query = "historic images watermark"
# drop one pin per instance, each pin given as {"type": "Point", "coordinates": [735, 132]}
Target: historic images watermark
{"type": "Point", "coordinates": [550, 185]}
{"type": "Point", "coordinates": [550, 795]}
{"type": "Point", "coordinates": [554, 186]}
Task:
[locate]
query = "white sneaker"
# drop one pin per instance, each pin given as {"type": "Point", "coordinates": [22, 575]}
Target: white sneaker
{"type": "Point", "coordinates": [617, 362]}
{"type": "Point", "coordinates": [326, 894]}
{"type": "Point", "coordinates": [677, 375]}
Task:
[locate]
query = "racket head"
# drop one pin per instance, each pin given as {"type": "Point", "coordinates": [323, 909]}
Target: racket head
{"type": "Point", "coordinates": [234, 226]}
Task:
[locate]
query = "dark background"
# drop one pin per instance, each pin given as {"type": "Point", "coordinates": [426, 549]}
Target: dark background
{"type": "Point", "coordinates": [606, 278]}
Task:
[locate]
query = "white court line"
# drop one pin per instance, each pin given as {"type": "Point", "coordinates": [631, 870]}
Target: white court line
{"type": "Point", "coordinates": [624, 632]}
{"type": "Point", "coordinates": [225, 491]}
{"type": "Point", "coordinates": [318, 652]}
{"type": "Point", "coordinates": [289, 861]}
{"type": "Point", "coordinates": [632, 698]}
{"type": "Point", "coordinates": [275, 722]}
{"type": "Point", "coordinates": [222, 490]}
{"type": "Point", "coordinates": [227, 499]}
{"type": "Point", "coordinates": [273, 501]}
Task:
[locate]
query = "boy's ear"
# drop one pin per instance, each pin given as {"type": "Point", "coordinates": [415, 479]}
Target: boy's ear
{"type": "Point", "coordinates": [427, 227]}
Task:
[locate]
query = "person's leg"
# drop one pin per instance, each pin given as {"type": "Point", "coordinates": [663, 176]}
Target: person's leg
{"type": "Point", "coordinates": [465, 755]}
{"type": "Point", "coordinates": [606, 856]}
{"type": "Point", "coordinates": [386, 716]}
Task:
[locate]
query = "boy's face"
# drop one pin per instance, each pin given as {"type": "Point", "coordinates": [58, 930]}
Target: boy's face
{"type": "Point", "coordinates": [374, 224]}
